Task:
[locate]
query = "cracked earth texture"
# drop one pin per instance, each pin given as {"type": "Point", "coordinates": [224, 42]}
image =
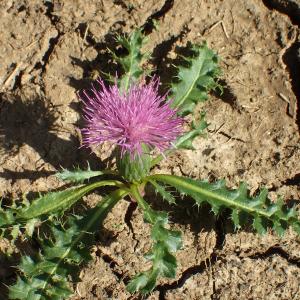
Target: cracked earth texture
{"type": "Point", "coordinates": [51, 49]}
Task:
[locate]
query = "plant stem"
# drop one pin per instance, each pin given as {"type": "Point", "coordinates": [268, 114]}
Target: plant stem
{"type": "Point", "coordinates": [138, 197]}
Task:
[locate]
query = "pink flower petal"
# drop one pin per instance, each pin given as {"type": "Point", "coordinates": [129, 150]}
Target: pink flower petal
{"type": "Point", "coordinates": [130, 119]}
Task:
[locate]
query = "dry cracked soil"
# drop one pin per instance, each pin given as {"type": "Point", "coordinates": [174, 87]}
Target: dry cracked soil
{"type": "Point", "coordinates": [51, 49]}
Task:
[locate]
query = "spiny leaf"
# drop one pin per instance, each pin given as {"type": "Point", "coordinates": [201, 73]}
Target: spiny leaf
{"type": "Point", "coordinates": [46, 275]}
{"type": "Point", "coordinates": [27, 216]}
{"type": "Point", "coordinates": [171, 239]}
{"type": "Point", "coordinates": [9, 226]}
{"type": "Point", "coordinates": [163, 192]}
{"type": "Point", "coordinates": [151, 216]}
{"type": "Point", "coordinates": [259, 225]}
{"type": "Point", "coordinates": [260, 209]}
{"type": "Point", "coordinates": [141, 281]}
{"type": "Point", "coordinates": [15, 232]}
{"type": "Point", "coordinates": [195, 80]}
{"type": "Point", "coordinates": [163, 264]}
{"type": "Point", "coordinates": [163, 261]}
{"type": "Point", "coordinates": [7, 217]}
{"type": "Point", "coordinates": [78, 175]}
{"type": "Point", "coordinates": [30, 225]}
{"type": "Point", "coordinates": [56, 202]}
{"type": "Point", "coordinates": [131, 63]}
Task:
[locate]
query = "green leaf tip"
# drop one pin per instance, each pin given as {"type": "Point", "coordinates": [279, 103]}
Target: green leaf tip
{"type": "Point", "coordinates": [78, 175]}
{"type": "Point", "coordinates": [58, 202]}
{"type": "Point", "coordinates": [132, 62]}
{"type": "Point", "coordinates": [28, 215]}
{"type": "Point", "coordinates": [163, 261]}
{"type": "Point", "coordinates": [264, 213]}
{"type": "Point", "coordinates": [195, 80]}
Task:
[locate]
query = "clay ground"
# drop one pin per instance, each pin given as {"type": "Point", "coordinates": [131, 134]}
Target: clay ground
{"type": "Point", "coordinates": [51, 49]}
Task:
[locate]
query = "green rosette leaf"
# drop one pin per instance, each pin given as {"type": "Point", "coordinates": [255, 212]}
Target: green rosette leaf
{"type": "Point", "coordinates": [79, 175]}
{"type": "Point", "coordinates": [264, 213]}
{"type": "Point", "coordinates": [66, 247]}
{"type": "Point", "coordinates": [195, 80]}
{"type": "Point", "coordinates": [166, 242]}
{"type": "Point", "coordinates": [57, 202]}
{"type": "Point", "coordinates": [27, 214]}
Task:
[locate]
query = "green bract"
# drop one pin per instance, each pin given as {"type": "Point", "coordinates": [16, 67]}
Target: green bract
{"type": "Point", "coordinates": [134, 168]}
{"type": "Point", "coordinates": [65, 238]}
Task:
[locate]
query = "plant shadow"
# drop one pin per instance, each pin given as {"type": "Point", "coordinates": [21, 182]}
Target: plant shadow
{"type": "Point", "coordinates": [33, 122]}
{"type": "Point", "coordinates": [184, 212]}
{"type": "Point", "coordinates": [166, 67]}
{"type": "Point", "coordinates": [100, 66]}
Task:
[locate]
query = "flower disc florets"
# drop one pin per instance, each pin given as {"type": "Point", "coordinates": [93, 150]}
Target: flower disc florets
{"type": "Point", "coordinates": [129, 119]}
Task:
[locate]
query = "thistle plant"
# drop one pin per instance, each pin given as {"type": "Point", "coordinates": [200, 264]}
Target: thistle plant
{"type": "Point", "coordinates": [143, 127]}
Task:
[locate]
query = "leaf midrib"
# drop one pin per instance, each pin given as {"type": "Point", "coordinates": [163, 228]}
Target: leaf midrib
{"type": "Point", "coordinates": [81, 191]}
{"type": "Point", "coordinates": [177, 181]}
{"type": "Point", "coordinates": [194, 81]}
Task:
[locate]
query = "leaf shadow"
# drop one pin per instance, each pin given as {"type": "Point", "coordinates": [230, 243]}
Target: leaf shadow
{"type": "Point", "coordinates": [227, 95]}
{"type": "Point", "coordinates": [102, 64]}
{"type": "Point", "coordinates": [166, 67]}
{"type": "Point", "coordinates": [184, 212]}
{"type": "Point", "coordinates": [167, 70]}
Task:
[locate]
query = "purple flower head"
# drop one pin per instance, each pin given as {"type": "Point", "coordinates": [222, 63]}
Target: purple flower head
{"type": "Point", "coordinates": [129, 119]}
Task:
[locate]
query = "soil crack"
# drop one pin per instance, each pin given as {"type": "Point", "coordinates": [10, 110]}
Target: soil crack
{"type": "Point", "coordinates": [275, 250]}
{"type": "Point", "coordinates": [289, 8]}
{"type": "Point", "coordinates": [200, 268]}
{"type": "Point", "coordinates": [52, 41]}
{"type": "Point", "coordinates": [113, 267]}
{"type": "Point", "coordinates": [197, 269]}
{"type": "Point", "coordinates": [293, 181]}
{"type": "Point", "coordinates": [45, 59]}
{"type": "Point", "coordinates": [290, 57]}
{"type": "Point", "coordinates": [127, 219]}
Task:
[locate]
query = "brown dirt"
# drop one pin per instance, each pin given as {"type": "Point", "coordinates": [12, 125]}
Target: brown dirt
{"type": "Point", "coordinates": [50, 50]}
